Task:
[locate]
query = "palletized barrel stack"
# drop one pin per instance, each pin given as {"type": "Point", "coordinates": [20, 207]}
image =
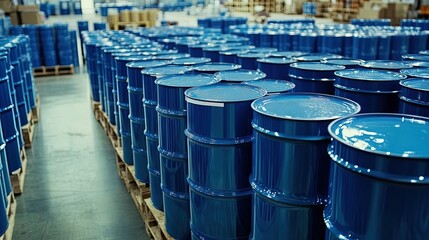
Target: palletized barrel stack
{"type": "Point", "coordinates": [229, 154]}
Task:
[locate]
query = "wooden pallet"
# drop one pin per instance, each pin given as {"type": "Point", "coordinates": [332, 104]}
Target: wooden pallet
{"type": "Point", "coordinates": [54, 70]}
{"type": "Point", "coordinates": [28, 131]}
{"type": "Point", "coordinates": [158, 231]}
{"type": "Point", "coordinates": [109, 129]}
{"type": "Point", "coordinates": [11, 213]}
{"type": "Point", "coordinates": [124, 25]}
{"type": "Point", "coordinates": [17, 178]}
{"type": "Point", "coordinates": [36, 110]}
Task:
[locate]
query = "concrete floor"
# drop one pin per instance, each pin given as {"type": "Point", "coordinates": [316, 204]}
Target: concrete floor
{"type": "Point", "coordinates": [72, 190]}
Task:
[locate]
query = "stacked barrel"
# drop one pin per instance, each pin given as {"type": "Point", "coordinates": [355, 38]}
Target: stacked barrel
{"type": "Point", "coordinates": [236, 156]}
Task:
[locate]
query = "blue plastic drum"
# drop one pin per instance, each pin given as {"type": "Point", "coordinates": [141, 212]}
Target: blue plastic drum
{"type": "Point", "coordinates": [249, 60]}
{"type": "Point", "coordinates": [378, 164]}
{"type": "Point", "coordinates": [400, 46]}
{"type": "Point", "coordinates": [291, 186]}
{"type": "Point", "coordinates": [394, 66]}
{"type": "Point", "coordinates": [346, 62]}
{"type": "Point", "coordinates": [416, 72]}
{"type": "Point", "coordinates": [230, 56]}
{"type": "Point", "coordinates": [272, 86]}
{"type": "Point", "coordinates": [189, 61]}
{"type": "Point", "coordinates": [214, 67]}
{"type": "Point", "coordinates": [374, 90]}
{"type": "Point", "coordinates": [313, 77]}
{"type": "Point", "coordinates": [173, 154]}
{"type": "Point", "coordinates": [275, 67]}
{"type": "Point", "coordinates": [150, 101]}
{"type": "Point", "coordinates": [414, 97]}
{"type": "Point", "coordinates": [220, 153]}
{"type": "Point", "coordinates": [240, 75]}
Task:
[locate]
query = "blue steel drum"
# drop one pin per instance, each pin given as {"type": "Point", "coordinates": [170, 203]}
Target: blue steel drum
{"type": "Point", "coordinates": [240, 75]}
{"type": "Point", "coordinates": [378, 164]}
{"type": "Point", "coordinates": [220, 152]}
{"type": "Point", "coordinates": [313, 77]}
{"type": "Point", "coordinates": [414, 97]}
{"type": "Point", "coordinates": [189, 61]}
{"type": "Point", "coordinates": [47, 43]}
{"type": "Point", "coordinates": [291, 187]}
{"type": "Point", "coordinates": [418, 42]}
{"type": "Point", "coordinates": [265, 50]}
{"type": "Point", "coordinates": [308, 42]}
{"type": "Point", "coordinates": [346, 62]}
{"type": "Point", "coordinates": [230, 56]}
{"type": "Point", "coordinates": [4, 222]}
{"type": "Point", "coordinates": [197, 50]}
{"type": "Point", "coordinates": [387, 65]}
{"type": "Point", "coordinates": [173, 154]}
{"type": "Point", "coordinates": [365, 47]}
{"type": "Point", "coordinates": [213, 67]}
{"type": "Point", "coordinates": [419, 64]}
{"type": "Point", "coordinates": [213, 52]}
{"type": "Point", "coordinates": [399, 46]}
{"type": "Point", "coordinates": [249, 60]}
{"type": "Point", "coordinates": [171, 56]}
{"type": "Point", "coordinates": [275, 67]}
{"type": "Point", "coordinates": [62, 42]}
{"type": "Point", "coordinates": [374, 90]}
{"type": "Point", "coordinates": [331, 43]}
{"type": "Point", "coordinates": [416, 72]}
{"type": "Point", "coordinates": [135, 96]}
{"type": "Point", "coordinates": [286, 54]}
{"type": "Point", "coordinates": [348, 45]}
{"type": "Point", "coordinates": [182, 45]}
{"type": "Point", "coordinates": [150, 101]}
{"type": "Point", "coordinates": [272, 86]}
{"type": "Point", "coordinates": [415, 58]}
{"type": "Point", "coordinates": [316, 57]}
{"type": "Point", "coordinates": [99, 26]}
{"type": "Point", "coordinates": [384, 47]}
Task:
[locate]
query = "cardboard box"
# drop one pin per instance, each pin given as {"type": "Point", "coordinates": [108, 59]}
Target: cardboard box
{"type": "Point", "coordinates": [28, 8]}
{"type": "Point", "coordinates": [14, 18]}
{"type": "Point", "coordinates": [7, 7]}
{"type": "Point", "coordinates": [30, 17]}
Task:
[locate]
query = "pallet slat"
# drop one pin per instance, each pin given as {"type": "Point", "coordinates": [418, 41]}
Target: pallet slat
{"type": "Point", "coordinates": [17, 178]}
{"type": "Point", "coordinates": [159, 218]}
{"type": "Point", "coordinates": [54, 70]}
{"type": "Point", "coordinates": [28, 131]}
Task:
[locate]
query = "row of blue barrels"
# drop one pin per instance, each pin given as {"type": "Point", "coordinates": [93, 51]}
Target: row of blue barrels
{"type": "Point", "coordinates": [358, 45]}
{"type": "Point", "coordinates": [67, 6]}
{"type": "Point", "coordinates": [222, 23]}
{"type": "Point", "coordinates": [49, 45]}
{"type": "Point", "coordinates": [203, 201]}
{"type": "Point", "coordinates": [370, 22]}
{"type": "Point", "coordinates": [423, 24]}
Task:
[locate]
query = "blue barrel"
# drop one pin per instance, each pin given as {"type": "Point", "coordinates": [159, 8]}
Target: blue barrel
{"type": "Point", "coordinates": [197, 50]}
{"type": "Point", "coordinates": [73, 43]}
{"type": "Point", "coordinates": [182, 45]}
{"type": "Point", "coordinates": [77, 7]}
{"type": "Point", "coordinates": [63, 44]}
{"type": "Point", "coordinates": [47, 43]}
{"type": "Point", "coordinates": [291, 187]}
{"type": "Point", "coordinates": [399, 46]}
{"type": "Point", "coordinates": [365, 47]}
{"type": "Point", "coordinates": [286, 54]}
{"type": "Point", "coordinates": [420, 64]}
{"type": "Point", "coordinates": [387, 65]}
{"type": "Point", "coordinates": [172, 56]}
{"type": "Point", "coordinates": [150, 100]}
{"type": "Point", "coordinates": [4, 222]}
{"type": "Point", "coordinates": [31, 31]}
{"type": "Point", "coordinates": [230, 56]}
{"type": "Point", "coordinates": [308, 42]}
{"type": "Point", "coordinates": [416, 72]}
{"type": "Point", "coordinates": [272, 86]}
{"type": "Point", "coordinates": [348, 45]}
{"type": "Point", "coordinates": [64, 7]}
{"type": "Point", "coordinates": [415, 58]}
{"type": "Point", "coordinates": [374, 90]}
{"type": "Point", "coordinates": [220, 153]}
{"type": "Point", "coordinates": [346, 62]}
{"type": "Point", "coordinates": [378, 162]}
{"type": "Point", "coordinates": [275, 67]}
{"type": "Point", "coordinates": [240, 75]}
{"type": "Point", "coordinates": [418, 42]}
{"type": "Point", "coordinates": [135, 96]}
{"type": "Point", "coordinates": [82, 26]}
{"type": "Point", "coordinates": [414, 97]}
{"type": "Point", "coordinates": [124, 125]}
{"type": "Point", "coordinates": [16, 30]}
{"type": "Point", "coordinates": [213, 52]}
{"type": "Point", "coordinates": [316, 57]}
{"type": "Point", "coordinates": [91, 58]}
{"type": "Point", "coordinates": [213, 67]}
{"type": "Point", "coordinates": [189, 61]}
{"type": "Point", "coordinates": [249, 60]}
{"type": "Point", "coordinates": [99, 26]}
{"type": "Point", "coordinates": [18, 84]}
{"type": "Point", "coordinates": [265, 50]}
{"type": "Point", "coordinates": [173, 154]}
{"type": "Point", "coordinates": [384, 47]}
{"type": "Point", "coordinates": [332, 43]}
{"type": "Point", "coordinates": [313, 77]}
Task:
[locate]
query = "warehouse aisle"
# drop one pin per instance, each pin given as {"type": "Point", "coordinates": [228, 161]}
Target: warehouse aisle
{"type": "Point", "coordinates": [72, 190]}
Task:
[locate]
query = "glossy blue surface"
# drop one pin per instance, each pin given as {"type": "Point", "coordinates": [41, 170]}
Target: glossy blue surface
{"type": "Point", "coordinates": [10, 135]}
{"type": "Point", "coordinates": [134, 71]}
{"type": "Point", "coordinates": [4, 223]}
{"type": "Point", "coordinates": [386, 65]}
{"type": "Point", "coordinates": [347, 62]}
{"type": "Point", "coordinates": [153, 166]}
{"type": "Point", "coordinates": [219, 151]}
{"type": "Point", "coordinates": [249, 60]}
{"type": "Point", "coordinates": [212, 53]}
{"type": "Point", "coordinates": [175, 209]}
{"type": "Point", "coordinates": [365, 47]}
{"type": "Point", "coordinates": [275, 220]}
{"type": "Point", "coordinates": [415, 57]}
{"type": "Point", "coordinates": [399, 46]}
{"type": "Point", "coordinates": [316, 57]}
{"type": "Point", "coordinates": [190, 61]}
{"type": "Point", "coordinates": [275, 67]}
{"type": "Point", "coordinates": [214, 67]}
{"type": "Point", "coordinates": [240, 75]}
{"type": "Point", "coordinates": [384, 45]}
{"type": "Point", "coordinates": [374, 90]}
{"type": "Point", "coordinates": [230, 56]}
{"type": "Point", "coordinates": [286, 54]}
{"type": "Point", "coordinates": [272, 86]}
{"type": "Point", "coordinates": [416, 72]}
{"type": "Point", "coordinates": [307, 42]}
{"type": "Point", "coordinates": [374, 168]}
{"type": "Point", "coordinates": [5, 170]}
{"type": "Point", "coordinates": [414, 97]}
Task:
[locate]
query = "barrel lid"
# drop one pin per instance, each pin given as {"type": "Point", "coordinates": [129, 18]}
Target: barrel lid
{"type": "Point", "coordinates": [286, 54]}
{"type": "Point", "coordinates": [234, 52]}
{"type": "Point", "coordinates": [343, 61]}
{"type": "Point", "coordinates": [316, 66]}
{"type": "Point", "coordinates": [147, 64]}
{"type": "Point", "coordinates": [276, 60]}
{"type": "Point", "coordinates": [225, 92]}
{"type": "Point", "coordinates": [421, 84]}
{"type": "Point", "coordinates": [171, 56]}
{"type": "Point", "coordinates": [166, 70]}
{"type": "Point", "coordinates": [216, 67]}
{"type": "Point", "coordinates": [316, 57]}
{"type": "Point", "coordinates": [420, 64]}
{"type": "Point", "coordinates": [370, 75]}
{"type": "Point", "coordinates": [425, 52]}
{"type": "Point", "coordinates": [272, 85]}
{"type": "Point", "coordinates": [190, 61]}
{"type": "Point", "coordinates": [253, 55]}
{"type": "Point", "coordinates": [187, 80]}
{"type": "Point", "coordinates": [132, 58]}
{"type": "Point", "coordinates": [305, 106]}
{"type": "Point", "coordinates": [416, 72]}
{"type": "Point", "coordinates": [263, 50]}
{"type": "Point", "coordinates": [394, 135]}
{"type": "Point", "coordinates": [416, 57]}
{"type": "Point", "coordinates": [240, 75]}
{"type": "Point", "coordinates": [386, 64]}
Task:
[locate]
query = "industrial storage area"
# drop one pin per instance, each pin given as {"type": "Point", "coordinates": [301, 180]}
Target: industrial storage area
{"type": "Point", "coordinates": [205, 120]}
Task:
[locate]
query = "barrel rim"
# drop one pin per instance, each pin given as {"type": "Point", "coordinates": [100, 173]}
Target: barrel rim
{"type": "Point", "coordinates": [134, 64]}
{"type": "Point", "coordinates": [404, 82]}
{"type": "Point", "coordinates": [199, 67]}
{"type": "Point", "coordinates": [266, 60]}
{"type": "Point", "coordinates": [373, 64]}
{"type": "Point", "coordinates": [336, 138]}
{"type": "Point", "coordinates": [414, 72]}
{"type": "Point", "coordinates": [163, 81]}
{"type": "Point", "coordinates": [340, 74]}
{"type": "Point", "coordinates": [257, 73]}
